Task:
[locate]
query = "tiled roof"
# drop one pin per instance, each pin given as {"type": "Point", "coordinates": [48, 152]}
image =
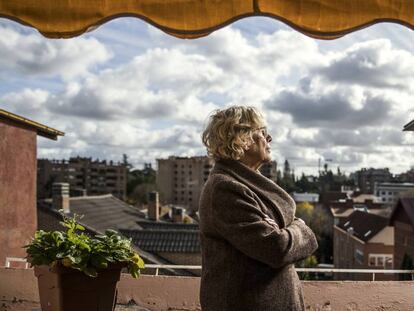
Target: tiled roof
{"type": "Point", "coordinates": [365, 225]}
{"type": "Point", "coordinates": [168, 241]}
{"type": "Point", "coordinates": [105, 212]}
{"type": "Point", "coordinates": [151, 225]}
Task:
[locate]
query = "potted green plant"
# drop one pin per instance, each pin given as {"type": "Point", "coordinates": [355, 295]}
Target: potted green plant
{"type": "Point", "coordinates": [78, 272]}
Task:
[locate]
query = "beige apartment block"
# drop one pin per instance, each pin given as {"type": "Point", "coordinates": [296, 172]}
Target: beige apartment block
{"type": "Point", "coordinates": [181, 179]}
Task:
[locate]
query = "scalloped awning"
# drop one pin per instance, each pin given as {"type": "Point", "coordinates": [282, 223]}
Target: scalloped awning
{"type": "Point", "coordinates": [323, 19]}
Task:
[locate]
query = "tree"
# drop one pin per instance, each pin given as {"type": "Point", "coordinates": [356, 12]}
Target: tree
{"type": "Point", "coordinates": [317, 219]}
{"type": "Point", "coordinates": [140, 182]}
{"type": "Point", "coordinates": [304, 211]}
{"type": "Point", "coordinates": [304, 185]}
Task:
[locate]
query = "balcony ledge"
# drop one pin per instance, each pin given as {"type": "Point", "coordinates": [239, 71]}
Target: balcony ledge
{"type": "Point", "coordinates": [18, 292]}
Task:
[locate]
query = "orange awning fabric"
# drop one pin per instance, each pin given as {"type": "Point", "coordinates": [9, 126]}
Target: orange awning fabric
{"type": "Point", "coordinates": [323, 19]}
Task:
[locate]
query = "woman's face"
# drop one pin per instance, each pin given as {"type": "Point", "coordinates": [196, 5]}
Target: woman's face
{"type": "Point", "coordinates": [259, 151]}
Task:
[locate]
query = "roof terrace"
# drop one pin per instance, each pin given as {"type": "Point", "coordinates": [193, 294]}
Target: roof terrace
{"type": "Point", "coordinates": [18, 288]}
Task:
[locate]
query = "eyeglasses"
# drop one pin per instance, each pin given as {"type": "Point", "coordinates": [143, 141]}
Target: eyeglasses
{"type": "Point", "coordinates": [264, 132]}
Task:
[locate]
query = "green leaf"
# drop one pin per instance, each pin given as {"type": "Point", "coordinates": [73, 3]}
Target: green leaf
{"type": "Point", "coordinates": [81, 252]}
{"type": "Point", "coordinates": [79, 227]}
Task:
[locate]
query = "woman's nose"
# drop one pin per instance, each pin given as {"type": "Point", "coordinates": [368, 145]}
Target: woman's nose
{"type": "Point", "coordinates": [268, 138]}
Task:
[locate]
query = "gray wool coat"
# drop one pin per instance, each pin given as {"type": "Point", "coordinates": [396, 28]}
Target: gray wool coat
{"type": "Point", "coordinates": [250, 240]}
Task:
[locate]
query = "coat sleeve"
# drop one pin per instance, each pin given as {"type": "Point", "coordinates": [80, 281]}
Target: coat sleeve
{"type": "Point", "coordinates": [239, 220]}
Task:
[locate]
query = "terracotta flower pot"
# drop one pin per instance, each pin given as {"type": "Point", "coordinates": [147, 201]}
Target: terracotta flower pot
{"type": "Point", "coordinates": [65, 289]}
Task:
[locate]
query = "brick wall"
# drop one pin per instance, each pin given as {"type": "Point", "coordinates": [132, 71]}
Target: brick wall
{"type": "Point", "coordinates": [17, 189]}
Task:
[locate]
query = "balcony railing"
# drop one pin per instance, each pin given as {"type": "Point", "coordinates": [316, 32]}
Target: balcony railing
{"type": "Point", "coordinates": [316, 270]}
{"type": "Point", "coordinates": [19, 292]}
{"type": "Point", "coordinates": [158, 267]}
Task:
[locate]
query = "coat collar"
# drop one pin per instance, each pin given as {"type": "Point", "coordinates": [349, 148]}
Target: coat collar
{"type": "Point", "coordinates": [274, 197]}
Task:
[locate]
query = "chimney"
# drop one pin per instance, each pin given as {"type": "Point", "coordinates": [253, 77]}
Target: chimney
{"type": "Point", "coordinates": [60, 197]}
{"type": "Point", "coordinates": [153, 206]}
{"type": "Point", "coordinates": [177, 215]}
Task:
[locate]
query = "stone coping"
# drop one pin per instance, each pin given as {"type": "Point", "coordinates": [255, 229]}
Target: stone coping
{"type": "Point", "coordinates": [18, 292]}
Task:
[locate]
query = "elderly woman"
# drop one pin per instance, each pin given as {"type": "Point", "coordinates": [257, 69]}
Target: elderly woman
{"type": "Point", "coordinates": [250, 236]}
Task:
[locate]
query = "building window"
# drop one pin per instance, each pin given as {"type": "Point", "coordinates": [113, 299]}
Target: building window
{"type": "Point", "coordinates": [359, 256]}
{"type": "Point", "coordinates": [382, 260]}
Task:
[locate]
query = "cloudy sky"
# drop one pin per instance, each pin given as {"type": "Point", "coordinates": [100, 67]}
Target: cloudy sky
{"type": "Point", "coordinates": [129, 88]}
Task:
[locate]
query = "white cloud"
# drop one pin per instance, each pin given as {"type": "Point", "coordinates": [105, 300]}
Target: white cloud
{"type": "Point", "coordinates": [31, 54]}
{"type": "Point", "coordinates": [347, 104]}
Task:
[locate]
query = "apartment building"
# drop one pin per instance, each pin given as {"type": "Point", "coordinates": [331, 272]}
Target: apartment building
{"type": "Point", "coordinates": [84, 175]}
{"type": "Point", "coordinates": [367, 178]}
{"type": "Point", "coordinates": [390, 192]}
{"type": "Point", "coordinates": [180, 179]}
{"type": "Point", "coordinates": [407, 176]}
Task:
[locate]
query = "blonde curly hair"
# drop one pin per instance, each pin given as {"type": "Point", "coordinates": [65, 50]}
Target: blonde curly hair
{"type": "Point", "coordinates": [229, 132]}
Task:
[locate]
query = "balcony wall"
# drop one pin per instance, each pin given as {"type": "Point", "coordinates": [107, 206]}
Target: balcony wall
{"type": "Point", "coordinates": [18, 292]}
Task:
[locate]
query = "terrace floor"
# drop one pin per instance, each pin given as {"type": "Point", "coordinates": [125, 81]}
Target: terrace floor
{"type": "Point", "coordinates": [18, 292]}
